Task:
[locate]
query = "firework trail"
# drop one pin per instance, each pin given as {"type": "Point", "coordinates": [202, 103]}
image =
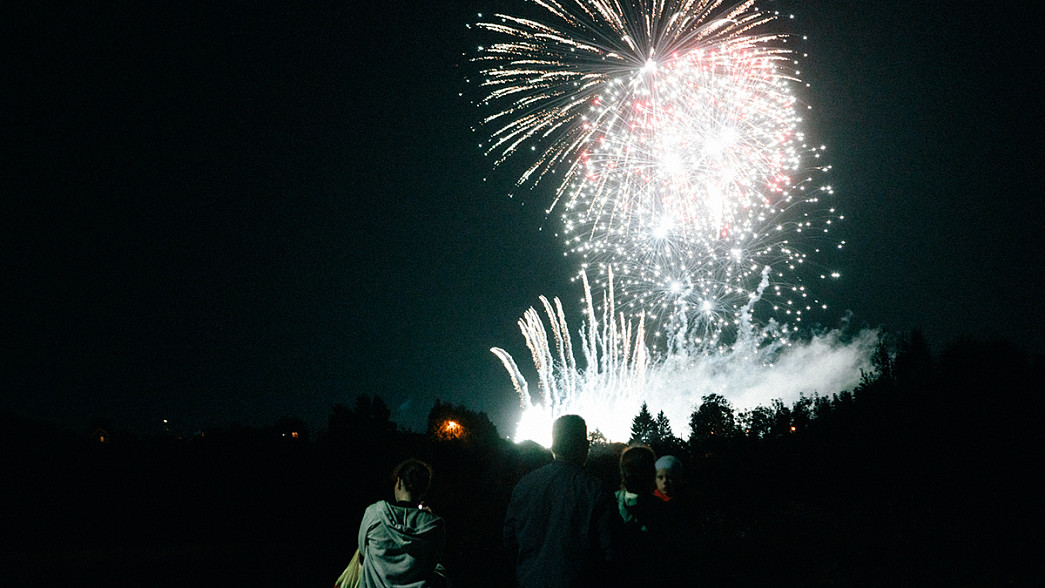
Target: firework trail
{"type": "Point", "coordinates": [618, 374]}
{"type": "Point", "coordinates": [675, 129]}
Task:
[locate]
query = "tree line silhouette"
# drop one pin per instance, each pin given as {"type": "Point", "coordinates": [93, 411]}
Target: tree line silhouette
{"type": "Point", "coordinates": [922, 474]}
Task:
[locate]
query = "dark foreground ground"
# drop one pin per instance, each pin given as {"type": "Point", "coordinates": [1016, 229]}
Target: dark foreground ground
{"type": "Point", "coordinates": [914, 480]}
{"type": "Point", "coordinates": [176, 513]}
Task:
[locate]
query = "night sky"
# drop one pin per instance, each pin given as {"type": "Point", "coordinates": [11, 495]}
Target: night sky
{"type": "Point", "coordinates": [233, 211]}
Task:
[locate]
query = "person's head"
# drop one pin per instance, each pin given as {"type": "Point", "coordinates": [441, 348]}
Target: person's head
{"type": "Point", "coordinates": [412, 478]}
{"type": "Point", "coordinates": [570, 438]}
{"type": "Point", "coordinates": [636, 469]}
{"type": "Point", "coordinates": [669, 468]}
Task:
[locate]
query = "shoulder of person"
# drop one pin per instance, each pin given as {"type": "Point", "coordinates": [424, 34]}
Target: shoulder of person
{"type": "Point", "coordinates": [434, 518]}
{"type": "Point", "coordinates": [376, 509]}
{"type": "Point", "coordinates": [541, 473]}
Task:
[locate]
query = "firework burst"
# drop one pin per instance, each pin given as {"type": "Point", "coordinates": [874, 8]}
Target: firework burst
{"type": "Point", "coordinates": [676, 128]}
{"type": "Point", "coordinates": [671, 129]}
{"type": "Point", "coordinates": [558, 85]}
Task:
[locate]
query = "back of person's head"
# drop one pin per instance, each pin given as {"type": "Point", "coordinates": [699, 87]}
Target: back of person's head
{"type": "Point", "coordinates": [637, 472]}
{"type": "Point", "coordinates": [570, 438]}
{"type": "Point", "coordinates": [415, 474]}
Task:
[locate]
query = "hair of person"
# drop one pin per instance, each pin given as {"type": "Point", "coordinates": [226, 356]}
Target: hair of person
{"type": "Point", "coordinates": [415, 474]}
{"type": "Point", "coordinates": [569, 437]}
{"type": "Point", "coordinates": [669, 462]}
{"type": "Point", "coordinates": [637, 471]}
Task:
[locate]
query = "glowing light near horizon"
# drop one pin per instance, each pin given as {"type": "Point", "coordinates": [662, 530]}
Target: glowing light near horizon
{"type": "Point", "coordinates": [612, 375]}
{"type": "Point", "coordinates": [450, 429]}
{"type": "Point", "coordinates": [616, 372]}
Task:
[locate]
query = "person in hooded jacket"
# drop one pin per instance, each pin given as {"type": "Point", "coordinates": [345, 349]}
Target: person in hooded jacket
{"type": "Point", "coordinates": [401, 543]}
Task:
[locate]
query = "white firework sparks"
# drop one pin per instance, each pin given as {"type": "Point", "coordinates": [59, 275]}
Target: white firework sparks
{"type": "Point", "coordinates": [675, 127]}
{"type": "Point", "coordinates": [559, 83]}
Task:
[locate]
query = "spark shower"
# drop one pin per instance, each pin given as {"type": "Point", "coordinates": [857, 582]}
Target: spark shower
{"type": "Point", "coordinates": [671, 135]}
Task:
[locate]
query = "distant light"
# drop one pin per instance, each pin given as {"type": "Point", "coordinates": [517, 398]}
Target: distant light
{"type": "Point", "coordinates": [450, 429]}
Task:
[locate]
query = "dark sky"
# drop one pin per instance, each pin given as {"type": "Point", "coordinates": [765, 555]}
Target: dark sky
{"type": "Point", "coordinates": [233, 211]}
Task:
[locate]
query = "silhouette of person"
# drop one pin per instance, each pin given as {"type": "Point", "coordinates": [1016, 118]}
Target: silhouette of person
{"type": "Point", "coordinates": [682, 540]}
{"type": "Point", "coordinates": [401, 543]}
{"type": "Point", "coordinates": [560, 524]}
{"type": "Point", "coordinates": [644, 537]}
{"type": "Point", "coordinates": [637, 505]}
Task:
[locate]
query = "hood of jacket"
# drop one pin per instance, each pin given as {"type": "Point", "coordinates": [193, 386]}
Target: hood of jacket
{"type": "Point", "coordinates": [408, 524]}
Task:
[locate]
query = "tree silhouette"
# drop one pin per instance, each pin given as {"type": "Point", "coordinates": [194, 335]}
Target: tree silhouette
{"type": "Point", "coordinates": [757, 423]}
{"type": "Point", "coordinates": [664, 441]}
{"type": "Point", "coordinates": [661, 428]}
{"type": "Point", "coordinates": [713, 420]}
{"type": "Point", "coordinates": [643, 426]}
{"type": "Point", "coordinates": [448, 422]}
{"type": "Point", "coordinates": [913, 365]}
{"type": "Point", "coordinates": [802, 413]}
{"type": "Point", "coordinates": [821, 408]}
{"type": "Point", "coordinates": [782, 419]}
{"type": "Point", "coordinates": [369, 419]}
{"type": "Point", "coordinates": [597, 437]}
{"type": "Point", "coordinates": [655, 432]}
